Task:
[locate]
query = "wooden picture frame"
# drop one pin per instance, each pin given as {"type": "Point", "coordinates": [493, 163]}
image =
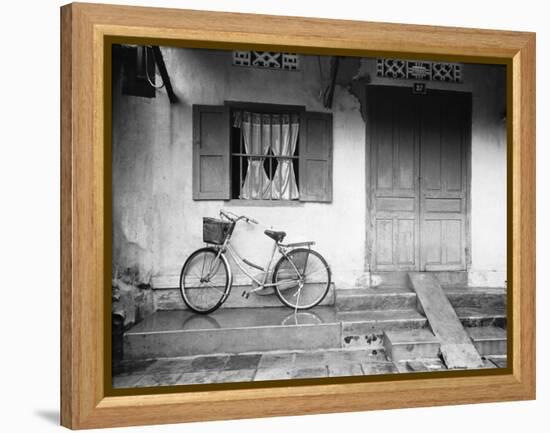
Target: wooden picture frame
{"type": "Point", "coordinates": [86, 30]}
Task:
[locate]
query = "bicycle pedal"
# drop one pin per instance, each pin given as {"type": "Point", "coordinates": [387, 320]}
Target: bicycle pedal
{"type": "Point", "coordinates": [245, 294]}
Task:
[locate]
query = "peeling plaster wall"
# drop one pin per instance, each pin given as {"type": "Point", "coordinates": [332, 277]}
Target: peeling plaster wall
{"type": "Point", "coordinates": [488, 218]}
{"type": "Point", "coordinates": [156, 224]}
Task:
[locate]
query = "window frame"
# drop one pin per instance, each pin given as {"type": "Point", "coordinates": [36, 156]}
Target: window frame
{"type": "Point", "coordinates": [267, 108]}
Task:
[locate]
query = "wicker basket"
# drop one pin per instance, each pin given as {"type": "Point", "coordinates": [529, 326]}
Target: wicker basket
{"type": "Point", "coordinates": [214, 231]}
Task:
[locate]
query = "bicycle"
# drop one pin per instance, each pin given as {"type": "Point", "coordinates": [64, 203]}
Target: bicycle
{"type": "Point", "coordinates": [301, 277]}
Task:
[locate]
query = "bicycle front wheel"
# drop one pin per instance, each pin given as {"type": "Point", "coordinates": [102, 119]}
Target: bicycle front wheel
{"type": "Point", "coordinates": [301, 278]}
{"type": "Point", "coordinates": [205, 280]}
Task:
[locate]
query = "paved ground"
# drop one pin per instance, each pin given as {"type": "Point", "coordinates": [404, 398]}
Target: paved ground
{"type": "Point", "coordinates": [268, 366]}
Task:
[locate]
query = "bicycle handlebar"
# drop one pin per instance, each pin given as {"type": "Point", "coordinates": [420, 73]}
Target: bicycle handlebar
{"type": "Point", "coordinates": [233, 217]}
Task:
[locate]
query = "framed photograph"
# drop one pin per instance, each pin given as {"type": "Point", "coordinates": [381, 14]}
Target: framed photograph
{"type": "Point", "coordinates": [264, 216]}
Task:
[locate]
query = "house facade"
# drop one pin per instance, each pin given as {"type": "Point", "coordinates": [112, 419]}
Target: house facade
{"type": "Point", "coordinates": [384, 178]}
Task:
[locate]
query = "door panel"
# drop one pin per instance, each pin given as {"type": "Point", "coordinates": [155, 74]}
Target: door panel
{"type": "Point", "coordinates": [384, 241]}
{"type": "Point", "coordinates": [405, 242]}
{"type": "Point", "coordinates": [418, 179]}
{"type": "Point", "coordinates": [443, 181]}
{"type": "Point", "coordinates": [432, 242]}
{"type": "Point", "coordinates": [394, 170]}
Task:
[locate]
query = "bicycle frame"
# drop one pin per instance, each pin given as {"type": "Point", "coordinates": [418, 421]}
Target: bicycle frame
{"type": "Point", "coordinates": [242, 263]}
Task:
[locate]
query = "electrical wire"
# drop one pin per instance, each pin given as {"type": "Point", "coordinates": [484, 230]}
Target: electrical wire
{"type": "Point", "coordinates": [147, 71]}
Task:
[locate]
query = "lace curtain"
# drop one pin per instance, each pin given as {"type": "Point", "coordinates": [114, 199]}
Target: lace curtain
{"type": "Point", "coordinates": [284, 137]}
{"type": "Point", "coordinates": [256, 136]}
{"type": "Point", "coordinates": [263, 133]}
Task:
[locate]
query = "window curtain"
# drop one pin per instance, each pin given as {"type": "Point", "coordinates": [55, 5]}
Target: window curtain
{"type": "Point", "coordinates": [262, 133]}
{"type": "Point", "coordinates": [284, 136]}
{"type": "Point", "coordinates": [256, 136]}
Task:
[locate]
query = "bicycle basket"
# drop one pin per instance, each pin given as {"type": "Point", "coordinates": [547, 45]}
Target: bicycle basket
{"type": "Point", "coordinates": [214, 231]}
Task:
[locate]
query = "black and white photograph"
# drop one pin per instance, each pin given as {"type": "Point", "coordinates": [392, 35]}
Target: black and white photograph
{"type": "Point", "coordinates": [281, 216]}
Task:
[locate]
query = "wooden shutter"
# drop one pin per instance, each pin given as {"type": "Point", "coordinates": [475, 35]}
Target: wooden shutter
{"type": "Point", "coordinates": [211, 152]}
{"type": "Point", "coordinates": [315, 175]}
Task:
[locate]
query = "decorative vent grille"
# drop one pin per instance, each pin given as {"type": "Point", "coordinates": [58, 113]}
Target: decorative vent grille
{"type": "Point", "coordinates": [419, 70]}
{"type": "Point", "coordinates": [266, 60]}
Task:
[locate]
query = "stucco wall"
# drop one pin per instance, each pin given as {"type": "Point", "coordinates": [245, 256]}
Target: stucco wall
{"type": "Point", "coordinates": [488, 220]}
{"type": "Point", "coordinates": [156, 224]}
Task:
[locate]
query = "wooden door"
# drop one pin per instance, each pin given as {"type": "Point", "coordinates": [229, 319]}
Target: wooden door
{"type": "Point", "coordinates": [444, 132]}
{"type": "Point", "coordinates": [394, 179]}
{"type": "Point", "coordinates": [417, 195]}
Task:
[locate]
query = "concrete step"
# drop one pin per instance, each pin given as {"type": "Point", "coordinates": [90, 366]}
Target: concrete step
{"type": "Point", "coordinates": [400, 298]}
{"type": "Point", "coordinates": [411, 344]}
{"type": "Point", "coordinates": [232, 330]}
{"type": "Point", "coordinates": [375, 299]}
{"type": "Point", "coordinates": [477, 297]}
{"type": "Point", "coordinates": [366, 328]}
{"type": "Point", "coordinates": [482, 317]}
{"type": "Point", "coordinates": [489, 340]}
{"type": "Point", "coordinates": [402, 345]}
{"type": "Point", "coordinates": [242, 330]}
{"type": "Point", "coordinates": [400, 279]}
{"type": "Point", "coordinates": [378, 280]}
{"type": "Point", "coordinates": [368, 320]}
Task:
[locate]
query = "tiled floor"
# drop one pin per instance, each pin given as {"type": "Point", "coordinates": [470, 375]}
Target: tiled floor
{"type": "Point", "coordinates": [268, 366]}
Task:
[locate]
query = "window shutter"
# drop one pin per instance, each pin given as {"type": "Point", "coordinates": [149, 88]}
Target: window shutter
{"type": "Point", "coordinates": [211, 152]}
{"type": "Point", "coordinates": [315, 157]}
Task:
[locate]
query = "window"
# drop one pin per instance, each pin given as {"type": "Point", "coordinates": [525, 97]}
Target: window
{"type": "Point", "coordinates": [264, 155]}
{"type": "Point", "coordinates": [261, 152]}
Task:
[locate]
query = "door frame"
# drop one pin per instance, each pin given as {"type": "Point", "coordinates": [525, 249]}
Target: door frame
{"type": "Point", "coordinates": [369, 190]}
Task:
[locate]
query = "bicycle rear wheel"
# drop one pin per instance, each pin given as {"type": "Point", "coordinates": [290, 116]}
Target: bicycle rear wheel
{"type": "Point", "coordinates": [302, 278]}
{"type": "Point", "coordinates": [205, 280]}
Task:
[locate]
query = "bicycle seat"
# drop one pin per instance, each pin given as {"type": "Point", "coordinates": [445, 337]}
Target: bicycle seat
{"type": "Point", "coordinates": [276, 236]}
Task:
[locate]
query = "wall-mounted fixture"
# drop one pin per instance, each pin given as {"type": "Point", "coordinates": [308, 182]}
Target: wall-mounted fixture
{"type": "Point", "coordinates": [139, 64]}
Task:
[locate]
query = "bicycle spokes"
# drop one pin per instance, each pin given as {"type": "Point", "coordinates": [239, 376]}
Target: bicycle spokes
{"type": "Point", "coordinates": [204, 281]}
{"type": "Point", "coordinates": [302, 279]}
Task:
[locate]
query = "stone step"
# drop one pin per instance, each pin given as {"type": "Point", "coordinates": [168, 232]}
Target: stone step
{"type": "Point", "coordinates": [482, 317]}
{"type": "Point", "coordinates": [375, 299]}
{"type": "Point", "coordinates": [366, 328]}
{"type": "Point", "coordinates": [378, 280]}
{"type": "Point", "coordinates": [242, 330]}
{"type": "Point", "coordinates": [411, 344]}
{"type": "Point", "coordinates": [477, 297]}
{"type": "Point", "coordinates": [369, 320]}
{"type": "Point", "coordinates": [402, 345]}
{"type": "Point", "coordinates": [404, 298]}
{"type": "Point", "coordinates": [400, 279]}
{"type": "Point", "coordinates": [182, 333]}
{"type": "Point", "coordinates": [489, 340]}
